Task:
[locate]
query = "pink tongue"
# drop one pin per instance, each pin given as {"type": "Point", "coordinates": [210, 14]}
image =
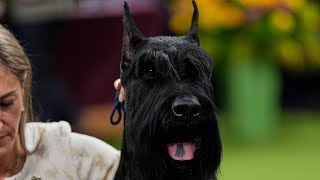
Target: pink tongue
{"type": "Point", "coordinates": [181, 151]}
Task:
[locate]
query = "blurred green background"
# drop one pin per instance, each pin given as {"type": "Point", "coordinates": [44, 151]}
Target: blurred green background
{"type": "Point", "coordinates": [292, 153]}
{"type": "Point", "coordinates": [263, 50]}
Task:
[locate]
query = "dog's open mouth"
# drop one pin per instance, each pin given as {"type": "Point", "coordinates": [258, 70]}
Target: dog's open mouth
{"type": "Point", "coordinates": [181, 151]}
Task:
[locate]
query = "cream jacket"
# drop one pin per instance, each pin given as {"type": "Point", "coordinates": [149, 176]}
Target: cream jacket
{"type": "Point", "coordinates": [54, 152]}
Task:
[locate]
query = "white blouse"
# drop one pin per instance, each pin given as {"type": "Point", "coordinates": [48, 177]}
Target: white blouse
{"type": "Point", "coordinates": [54, 152]}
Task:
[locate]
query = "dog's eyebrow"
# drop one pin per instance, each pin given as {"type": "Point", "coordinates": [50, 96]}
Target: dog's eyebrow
{"type": "Point", "coordinates": [164, 65]}
{"type": "Point", "coordinates": [159, 58]}
{"type": "Point", "coordinates": [199, 59]}
{"type": "Point", "coordinates": [161, 61]}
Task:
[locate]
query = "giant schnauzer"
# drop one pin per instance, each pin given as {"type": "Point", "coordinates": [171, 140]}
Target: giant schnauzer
{"type": "Point", "coordinates": [170, 128]}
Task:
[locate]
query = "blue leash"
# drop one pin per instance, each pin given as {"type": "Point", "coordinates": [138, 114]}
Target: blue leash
{"type": "Point", "coordinates": [118, 107]}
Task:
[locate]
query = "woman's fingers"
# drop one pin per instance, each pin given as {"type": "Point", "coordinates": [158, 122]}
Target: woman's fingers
{"type": "Point", "coordinates": [122, 95]}
{"type": "Point", "coordinates": [118, 86]}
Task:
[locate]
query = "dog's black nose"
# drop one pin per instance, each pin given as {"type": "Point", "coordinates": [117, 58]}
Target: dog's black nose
{"type": "Point", "coordinates": [187, 105]}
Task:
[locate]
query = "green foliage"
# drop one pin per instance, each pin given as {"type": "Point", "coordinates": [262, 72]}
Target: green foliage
{"type": "Point", "coordinates": [287, 32]}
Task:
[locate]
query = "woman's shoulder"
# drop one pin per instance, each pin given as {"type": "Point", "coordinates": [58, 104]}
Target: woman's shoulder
{"type": "Point", "coordinates": [90, 157]}
{"type": "Point", "coordinates": [45, 133]}
{"type": "Point", "coordinates": [59, 132]}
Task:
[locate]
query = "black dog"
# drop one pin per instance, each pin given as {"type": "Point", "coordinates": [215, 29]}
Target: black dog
{"type": "Point", "coordinates": [170, 129]}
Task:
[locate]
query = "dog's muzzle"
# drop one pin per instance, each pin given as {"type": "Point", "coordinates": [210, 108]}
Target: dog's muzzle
{"type": "Point", "coordinates": [185, 106]}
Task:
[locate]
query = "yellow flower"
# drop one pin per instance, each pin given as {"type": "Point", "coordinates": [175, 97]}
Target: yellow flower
{"type": "Point", "coordinates": [230, 16]}
{"type": "Point", "coordinates": [282, 21]}
{"type": "Point", "coordinates": [177, 24]}
{"type": "Point", "coordinates": [208, 13]}
{"type": "Point", "coordinates": [216, 13]}
{"type": "Point", "coordinates": [180, 11]}
{"type": "Point", "coordinates": [294, 4]}
{"type": "Point", "coordinates": [268, 4]}
{"type": "Point", "coordinates": [212, 14]}
{"type": "Point", "coordinates": [291, 54]}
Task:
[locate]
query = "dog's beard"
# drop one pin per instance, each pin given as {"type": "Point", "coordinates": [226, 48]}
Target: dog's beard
{"type": "Point", "coordinates": [168, 146]}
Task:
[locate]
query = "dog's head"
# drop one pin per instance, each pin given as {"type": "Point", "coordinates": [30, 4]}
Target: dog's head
{"type": "Point", "coordinates": [170, 119]}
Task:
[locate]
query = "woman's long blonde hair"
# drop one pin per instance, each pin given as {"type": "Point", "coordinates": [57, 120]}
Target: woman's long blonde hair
{"type": "Point", "coordinates": [13, 57]}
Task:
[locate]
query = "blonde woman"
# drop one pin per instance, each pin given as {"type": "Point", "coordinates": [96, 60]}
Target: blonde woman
{"type": "Point", "coordinates": [33, 150]}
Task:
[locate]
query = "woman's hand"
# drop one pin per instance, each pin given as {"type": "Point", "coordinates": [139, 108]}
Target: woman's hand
{"type": "Point", "coordinates": [118, 86]}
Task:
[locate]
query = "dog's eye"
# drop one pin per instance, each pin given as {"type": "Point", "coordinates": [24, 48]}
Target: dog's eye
{"type": "Point", "coordinates": [150, 73]}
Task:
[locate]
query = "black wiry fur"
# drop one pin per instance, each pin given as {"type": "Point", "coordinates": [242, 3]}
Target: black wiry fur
{"type": "Point", "coordinates": [154, 72]}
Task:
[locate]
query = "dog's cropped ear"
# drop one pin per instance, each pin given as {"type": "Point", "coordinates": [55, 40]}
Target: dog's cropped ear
{"type": "Point", "coordinates": [193, 31]}
{"type": "Point", "coordinates": [131, 37]}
